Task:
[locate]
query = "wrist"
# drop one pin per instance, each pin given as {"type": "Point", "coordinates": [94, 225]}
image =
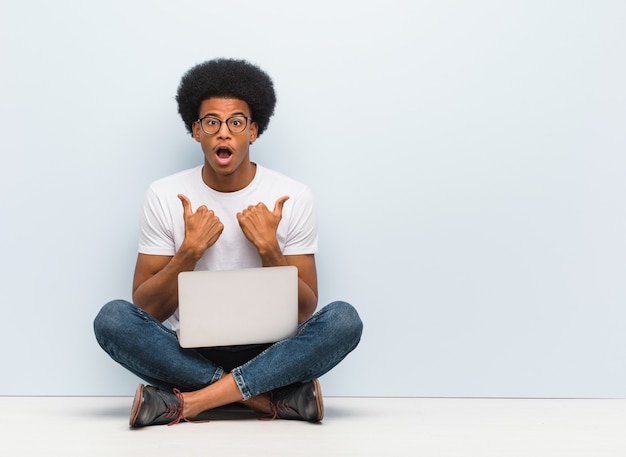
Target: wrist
{"type": "Point", "coordinates": [188, 255]}
{"type": "Point", "coordinates": [272, 256]}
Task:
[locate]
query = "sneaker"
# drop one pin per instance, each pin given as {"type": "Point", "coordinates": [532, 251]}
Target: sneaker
{"type": "Point", "coordinates": [152, 406]}
{"type": "Point", "coordinates": [300, 401]}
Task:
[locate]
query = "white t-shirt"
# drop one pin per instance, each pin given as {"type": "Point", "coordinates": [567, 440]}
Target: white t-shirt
{"type": "Point", "coordinates": [162, 228]}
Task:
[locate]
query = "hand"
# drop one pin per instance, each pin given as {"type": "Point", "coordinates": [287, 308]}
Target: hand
{"type": "Point", "coordinates": [259, 225]}
{"type": "Point", "coordinates": [202, 228]}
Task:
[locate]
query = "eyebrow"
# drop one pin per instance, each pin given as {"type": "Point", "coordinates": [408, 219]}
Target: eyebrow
{"type": "Point", "coordinates": [238, 113]}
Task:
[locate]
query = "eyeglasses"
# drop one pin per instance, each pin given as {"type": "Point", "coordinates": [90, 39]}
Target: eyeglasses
{"type": "Point", "coordinates": [211, 125]}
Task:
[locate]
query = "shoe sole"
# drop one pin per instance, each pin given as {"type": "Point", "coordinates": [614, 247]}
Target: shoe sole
{"type": "Point", "coordinates": [134, 412]}
{"type": "Point", "coordinates": [319, 400]}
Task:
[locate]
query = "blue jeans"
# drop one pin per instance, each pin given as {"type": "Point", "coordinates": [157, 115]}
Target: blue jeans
{"type": "Point", "coordinates": [150, 350]}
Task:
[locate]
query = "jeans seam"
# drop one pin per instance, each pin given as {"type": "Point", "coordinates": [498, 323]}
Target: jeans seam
{"type": "Point", "coordinates": [155, 322]}
{"type": "Point", "coordinates": [241, 383]}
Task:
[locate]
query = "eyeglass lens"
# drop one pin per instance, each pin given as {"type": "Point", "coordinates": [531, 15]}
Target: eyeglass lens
{"type": "Point", "coordinates": [211, 125]}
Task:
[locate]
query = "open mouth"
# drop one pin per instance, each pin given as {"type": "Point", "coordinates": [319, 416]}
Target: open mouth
{"type": "Point", "coordinates": [224, 153]}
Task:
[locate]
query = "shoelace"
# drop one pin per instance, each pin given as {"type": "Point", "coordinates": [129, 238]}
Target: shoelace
{"type": "Point", "coordinates": [280, 406]}
{"type": "Point", "coordinates": [176, 411]}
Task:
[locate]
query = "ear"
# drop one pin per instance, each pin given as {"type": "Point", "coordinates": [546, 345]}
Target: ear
{"type": "Point", "coordinates": [195, 129]}
{"type": "Point", "coordinates": [254, 132]}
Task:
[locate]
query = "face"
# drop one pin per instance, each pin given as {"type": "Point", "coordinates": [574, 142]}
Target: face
{"type": "Point", "coordinates": [227, 166]}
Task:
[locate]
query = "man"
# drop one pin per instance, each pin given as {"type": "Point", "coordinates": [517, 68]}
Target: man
{"type": "Point", "coordinates": [228, 213]}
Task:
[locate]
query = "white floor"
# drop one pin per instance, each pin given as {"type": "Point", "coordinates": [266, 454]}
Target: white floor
{"type": "Point", "coordinates": [97, 426]}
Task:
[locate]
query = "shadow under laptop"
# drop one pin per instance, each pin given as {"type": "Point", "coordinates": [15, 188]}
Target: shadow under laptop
{"type": "Point", "coordinates": [233, 411]}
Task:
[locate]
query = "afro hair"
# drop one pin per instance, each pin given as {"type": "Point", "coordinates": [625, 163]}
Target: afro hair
{"type": "Point", "coordinates": [226, 78]}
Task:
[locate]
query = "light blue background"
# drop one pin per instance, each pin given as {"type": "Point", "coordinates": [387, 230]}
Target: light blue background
{"type": "Point", "coordinates": [468, 161]}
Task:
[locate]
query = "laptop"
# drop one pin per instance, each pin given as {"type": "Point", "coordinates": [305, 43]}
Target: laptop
{"type": "Point", "coordinates": [237, 307]}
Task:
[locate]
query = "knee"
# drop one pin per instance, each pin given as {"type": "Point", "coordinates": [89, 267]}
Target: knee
{"type": "Point", "coordinates": [347, 320]}
{"type": "Point", "coordinates": [110, 318]}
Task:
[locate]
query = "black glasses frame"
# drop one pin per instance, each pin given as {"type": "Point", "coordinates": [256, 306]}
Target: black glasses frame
{"type": "Point", "coordinates": [239, 116]}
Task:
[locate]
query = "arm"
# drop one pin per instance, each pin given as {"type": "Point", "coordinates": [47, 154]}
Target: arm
{"type": "Point", "coordinates": [307, 284]}
{"type": "Point", "coordinates": [155, 284]}
{"type": "Point", "coordinates": [259, 226]}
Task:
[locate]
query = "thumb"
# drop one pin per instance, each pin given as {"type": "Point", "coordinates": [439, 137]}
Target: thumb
{"type": "Point", "coordinates": [278, 206]}
{"type": "Point", "coordinates": [186, 205]}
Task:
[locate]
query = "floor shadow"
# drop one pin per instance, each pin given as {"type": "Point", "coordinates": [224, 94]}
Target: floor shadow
{"type": "Point", "coordinates": [233, 411]}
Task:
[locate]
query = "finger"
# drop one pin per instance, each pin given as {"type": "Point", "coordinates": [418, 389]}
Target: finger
{"type": "Point", "coordinates": [278, 206]}
{"type": "Point", "coordinates": [186, 205]}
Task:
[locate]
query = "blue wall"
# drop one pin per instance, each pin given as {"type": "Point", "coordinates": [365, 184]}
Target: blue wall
{"type": "Point", "coordinates": [467, 157]}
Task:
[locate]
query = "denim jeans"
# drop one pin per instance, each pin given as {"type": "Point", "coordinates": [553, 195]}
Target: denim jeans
{"type": "Point", "coordinates": [150, 350]}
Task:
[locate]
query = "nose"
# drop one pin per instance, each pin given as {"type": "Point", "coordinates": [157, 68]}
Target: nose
{"type": "Point", "coordinates": [224, 131]}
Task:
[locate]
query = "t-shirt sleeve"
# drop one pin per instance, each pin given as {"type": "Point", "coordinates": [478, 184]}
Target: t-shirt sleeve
{"type": "Point", "coordinates": [302, 236]}
{"type": "Point", "coordinates": [155, 227]}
